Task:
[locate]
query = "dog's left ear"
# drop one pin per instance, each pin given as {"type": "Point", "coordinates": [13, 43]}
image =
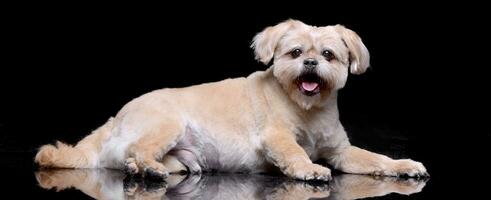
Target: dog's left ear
{"type": "Point", "coordinates": [265, 42]}
{"type": "Point", "coordinates": [358, 53]}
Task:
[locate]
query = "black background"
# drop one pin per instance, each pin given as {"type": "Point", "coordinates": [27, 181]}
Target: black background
{"type": "Point", "coordinates": [66, 71]}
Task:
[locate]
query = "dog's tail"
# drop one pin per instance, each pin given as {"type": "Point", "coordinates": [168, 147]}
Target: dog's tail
{"type": "Point", "coordinates": [82, 155]}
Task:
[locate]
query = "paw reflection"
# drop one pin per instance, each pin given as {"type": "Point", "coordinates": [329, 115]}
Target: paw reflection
{"type": "Point", "coordinates": [110, 184]}
{"type": "Point", "coordinates": [349, 186]}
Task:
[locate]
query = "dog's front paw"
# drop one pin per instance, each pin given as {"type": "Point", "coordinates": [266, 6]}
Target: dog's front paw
{"type": "Point", "coordinates": [307, 171]}
{"type": "Point", "coordinates": [405, 167]}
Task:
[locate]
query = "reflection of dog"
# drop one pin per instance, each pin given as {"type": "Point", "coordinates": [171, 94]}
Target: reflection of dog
{"type": "Point", "coordinates": [112, 184]}
{"type": "Point", "coordinates": [285, 116]}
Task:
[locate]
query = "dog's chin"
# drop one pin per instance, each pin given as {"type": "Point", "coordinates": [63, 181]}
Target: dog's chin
{"type": "Point", "coordinates": [310, 84]}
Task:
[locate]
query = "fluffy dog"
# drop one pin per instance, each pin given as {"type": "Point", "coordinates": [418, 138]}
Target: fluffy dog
{"type": "Point", "coordinates": [282, 118]}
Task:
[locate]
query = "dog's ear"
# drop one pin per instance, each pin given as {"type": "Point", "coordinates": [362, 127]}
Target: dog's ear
{"type": "Point", "coordinates": [358, 54]}
{"type": "Point", "coordinates": [265, 42]}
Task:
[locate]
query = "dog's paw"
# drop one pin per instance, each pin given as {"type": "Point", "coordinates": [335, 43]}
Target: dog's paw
{"type": "Point", "coordinates": [307, 171]}
{"type": "Point", "coordinates": [405, 167]}
{"type": "Point", "coordinates": [130, 166]}
{"type": "Point", "coordinates": [154, 170]}
{"type": "Point", "coordinates": [148, 168]}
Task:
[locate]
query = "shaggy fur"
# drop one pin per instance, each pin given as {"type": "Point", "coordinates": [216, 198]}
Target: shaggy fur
{"type": "Point", "coordinates": [282, 118]}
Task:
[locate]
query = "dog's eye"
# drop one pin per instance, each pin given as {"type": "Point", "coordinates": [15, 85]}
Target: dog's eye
{"type": "Point", "coordinates": [328, 55]}
{"type": "Point", "coordinates": [295, 53]}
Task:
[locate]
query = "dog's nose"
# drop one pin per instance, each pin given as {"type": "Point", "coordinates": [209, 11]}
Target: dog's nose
{"type": "Point", "coordinates": [310, 63]}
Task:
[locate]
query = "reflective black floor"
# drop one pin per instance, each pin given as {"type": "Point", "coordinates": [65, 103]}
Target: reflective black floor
{"type": "Point", "coordinates": [110, 184]}
{"type": "Point", "coordinates": [23, 180]}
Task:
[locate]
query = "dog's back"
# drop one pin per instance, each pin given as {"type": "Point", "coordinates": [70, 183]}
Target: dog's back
{"type": "Point", "coordinates": [224, 119]}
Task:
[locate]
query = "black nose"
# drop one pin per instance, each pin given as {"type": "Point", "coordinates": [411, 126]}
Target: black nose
{"type": "Point", "coordinates": [310, 63]}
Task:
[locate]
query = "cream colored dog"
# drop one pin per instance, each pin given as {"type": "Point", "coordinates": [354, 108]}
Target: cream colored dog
{"type": "Point", "coordinates": [284, 117]}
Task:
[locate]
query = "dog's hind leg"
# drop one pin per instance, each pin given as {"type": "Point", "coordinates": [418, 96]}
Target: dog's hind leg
{"type": "Point", "coordinates": [173, 164]}
{"type": "Point", "coordinates": [146, 155]}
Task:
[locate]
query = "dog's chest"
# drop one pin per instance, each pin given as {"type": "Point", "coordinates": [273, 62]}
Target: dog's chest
{"type": "Point", "coordinates": [310, 142]}
{"type": "Point", "coordinates": [316, 135]}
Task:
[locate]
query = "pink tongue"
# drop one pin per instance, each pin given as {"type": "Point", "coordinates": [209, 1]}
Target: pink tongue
{"type": "Point", "coordinates": [309, 86]}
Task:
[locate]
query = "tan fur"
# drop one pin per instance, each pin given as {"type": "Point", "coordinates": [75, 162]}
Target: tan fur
{"type": "Point", "coordinates": [79, 156]}
{"type": "Point", "coordinates": [359, 56]}
{"type": "Point", "coordinates": [245, 124]}
{"type": "Point", "coordinates": [148, 149]}
{"type": "Point", "coordinates": [360, 161]}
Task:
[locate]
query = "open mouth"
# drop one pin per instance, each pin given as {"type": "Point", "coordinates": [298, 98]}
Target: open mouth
{"type": "Point", "coordinates": [309, 83]}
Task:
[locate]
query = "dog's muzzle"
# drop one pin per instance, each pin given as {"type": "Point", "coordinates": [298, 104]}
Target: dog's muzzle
{"type": "Point", "coordinates": [309, 83]}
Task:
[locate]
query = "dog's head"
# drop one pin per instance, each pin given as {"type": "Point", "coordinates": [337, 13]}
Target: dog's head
{"type": "Point", "coordinates": [311, 62]}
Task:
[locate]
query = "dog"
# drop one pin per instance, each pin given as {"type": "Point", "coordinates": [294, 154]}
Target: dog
{"type": "Point", "coordinates": [283, 118]}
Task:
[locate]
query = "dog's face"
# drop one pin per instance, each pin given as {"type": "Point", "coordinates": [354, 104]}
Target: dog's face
{"type": "Point", "coordinates": [311, 62]}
